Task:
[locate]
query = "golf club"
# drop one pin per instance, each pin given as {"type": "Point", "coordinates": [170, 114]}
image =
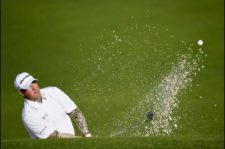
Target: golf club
{"type": "Point", "coordinates": [149, 116]}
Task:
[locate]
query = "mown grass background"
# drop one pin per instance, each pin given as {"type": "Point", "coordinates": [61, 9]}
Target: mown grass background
{"type": "Point", "coordinates": [185, 142]}
{"type": "Point", "coordinates": [58, 42]}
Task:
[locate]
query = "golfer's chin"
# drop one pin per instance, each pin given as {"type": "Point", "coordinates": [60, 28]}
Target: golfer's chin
{"type": "Point", "coordinates": [36, 98]}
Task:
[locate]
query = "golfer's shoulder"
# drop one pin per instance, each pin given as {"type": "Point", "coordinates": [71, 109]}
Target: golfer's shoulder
{"type": "Point", "coordinates": [50, 89]}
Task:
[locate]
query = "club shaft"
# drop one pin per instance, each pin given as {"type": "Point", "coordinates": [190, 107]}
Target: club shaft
{"type": "Point", "coordinates": [126, 129]}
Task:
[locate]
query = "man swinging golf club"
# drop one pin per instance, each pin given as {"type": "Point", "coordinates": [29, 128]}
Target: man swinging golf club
{"type": "Point", "coordinates": [47, 112]}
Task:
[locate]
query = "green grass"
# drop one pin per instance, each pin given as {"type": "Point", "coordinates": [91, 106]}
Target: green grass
{"type": "Point", "coordinates": [185, 142]}
{"type": "Point", "coordinates": [69, 44]}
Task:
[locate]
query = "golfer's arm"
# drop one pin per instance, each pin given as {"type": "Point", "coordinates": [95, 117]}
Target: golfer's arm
{"type": "Point", "coordinates": [78, 117]}
{"type": "Point", "coordinates": [56, 134]}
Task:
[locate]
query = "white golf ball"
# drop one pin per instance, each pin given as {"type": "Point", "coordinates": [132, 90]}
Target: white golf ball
{"type": "Point", "coordinates": [200, 42]}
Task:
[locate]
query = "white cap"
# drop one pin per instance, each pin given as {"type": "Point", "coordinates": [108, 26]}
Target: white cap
{"type": "Point", "coordinates": [23, 81]}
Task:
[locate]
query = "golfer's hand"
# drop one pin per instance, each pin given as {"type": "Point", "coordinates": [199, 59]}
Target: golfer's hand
{"type": "Point", "coordinates": [88, 135]}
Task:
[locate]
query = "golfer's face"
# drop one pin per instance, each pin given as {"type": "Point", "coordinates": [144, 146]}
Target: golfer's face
{"type": "Point", "coordinates": [33, 92]}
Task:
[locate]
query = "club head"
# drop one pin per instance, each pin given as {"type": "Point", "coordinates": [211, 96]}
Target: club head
{"type": "Point", "coordinates": [149, 115]}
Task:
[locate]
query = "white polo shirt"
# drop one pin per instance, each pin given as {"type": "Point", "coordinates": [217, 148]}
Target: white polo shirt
{"type": "Point", "coordinates": [41, 119]}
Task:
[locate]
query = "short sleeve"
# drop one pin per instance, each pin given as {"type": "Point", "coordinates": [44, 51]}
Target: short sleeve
{"type": "Point", "coordinates": [65, 101]}
{"type": "Point", "coordinates": [38, 127]}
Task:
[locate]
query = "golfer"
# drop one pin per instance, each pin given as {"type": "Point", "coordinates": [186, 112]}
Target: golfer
{"type": "Point", "coordinates": [47, 112]}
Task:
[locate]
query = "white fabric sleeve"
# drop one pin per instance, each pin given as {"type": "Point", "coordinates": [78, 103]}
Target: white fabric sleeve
{"type": "Point", "coordinates": [38, 127]}
{"type": "Point", "coordinates": [66, 102]}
